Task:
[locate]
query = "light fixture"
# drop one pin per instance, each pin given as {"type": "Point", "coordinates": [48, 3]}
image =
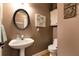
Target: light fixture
{"type": "Point", "coordinates": [25, 6]}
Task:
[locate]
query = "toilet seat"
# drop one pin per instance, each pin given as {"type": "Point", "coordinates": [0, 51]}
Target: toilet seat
{"type": "Point", "coordinates": [52, 48]}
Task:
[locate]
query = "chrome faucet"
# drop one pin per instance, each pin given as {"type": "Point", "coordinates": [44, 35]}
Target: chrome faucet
{"type": "Point", "coordinates": [22, 37]}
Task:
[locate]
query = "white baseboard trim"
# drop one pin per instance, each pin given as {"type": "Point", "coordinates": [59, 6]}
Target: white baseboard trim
{"type": "Point", "coordinates": [41, 53]}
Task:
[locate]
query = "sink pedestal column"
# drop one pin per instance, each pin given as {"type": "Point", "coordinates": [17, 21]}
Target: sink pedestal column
{"type": "Point", "coordinates": [22, 52]}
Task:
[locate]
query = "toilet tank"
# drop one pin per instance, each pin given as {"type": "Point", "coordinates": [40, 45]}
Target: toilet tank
{"type": "Point", "coordinates": [55, 42]}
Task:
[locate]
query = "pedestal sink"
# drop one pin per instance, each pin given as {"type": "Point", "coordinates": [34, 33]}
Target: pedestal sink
{"type": "Point", "coordinates": [21, 44]}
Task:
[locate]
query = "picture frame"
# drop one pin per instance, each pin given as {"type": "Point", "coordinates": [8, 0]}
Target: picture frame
{"type": "Point", "coordinates": [69, 10]}
{"type": "Point", "coordinates": [40, 20]}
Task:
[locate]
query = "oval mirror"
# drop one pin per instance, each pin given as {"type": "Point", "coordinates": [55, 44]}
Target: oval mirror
{"type": "Point", "coordinates": [21, 19]}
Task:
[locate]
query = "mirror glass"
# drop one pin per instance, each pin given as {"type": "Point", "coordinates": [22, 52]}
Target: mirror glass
{"type": "Point", "coordinates": [21, 19]}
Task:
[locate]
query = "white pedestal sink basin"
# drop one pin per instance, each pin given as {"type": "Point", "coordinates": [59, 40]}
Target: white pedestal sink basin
{"type": "Point", "coordinates": [21, 44]}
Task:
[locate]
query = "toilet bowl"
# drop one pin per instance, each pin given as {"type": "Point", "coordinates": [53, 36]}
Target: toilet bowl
{"type": "Point", "coordinates": [53, 48]}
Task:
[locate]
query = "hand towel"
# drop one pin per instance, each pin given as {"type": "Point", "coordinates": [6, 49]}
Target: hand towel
{"type": "Point", "coordinates": [3, 36]}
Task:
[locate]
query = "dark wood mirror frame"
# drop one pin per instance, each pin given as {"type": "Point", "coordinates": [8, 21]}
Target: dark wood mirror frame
{"type": "Point", "coordinates": [14, 20]}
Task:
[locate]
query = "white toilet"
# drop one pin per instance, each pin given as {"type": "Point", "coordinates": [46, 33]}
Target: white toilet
{"type": "Point", "coordinates": [53, 48]}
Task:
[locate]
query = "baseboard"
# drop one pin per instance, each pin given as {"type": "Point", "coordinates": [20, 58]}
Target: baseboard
{"type": "Point", "coordinates": [41, 53]}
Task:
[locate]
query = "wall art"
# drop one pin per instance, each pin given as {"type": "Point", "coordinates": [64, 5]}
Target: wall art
{"type": "Point", "coordinates": [69, 10]}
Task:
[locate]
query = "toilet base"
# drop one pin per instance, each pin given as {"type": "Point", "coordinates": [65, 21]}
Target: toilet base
{"type": "Point", "coordinates": [54, 53]}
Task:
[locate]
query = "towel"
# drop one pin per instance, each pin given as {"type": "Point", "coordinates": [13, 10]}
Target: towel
{"type": "Point", "coordinates": [3, 36]}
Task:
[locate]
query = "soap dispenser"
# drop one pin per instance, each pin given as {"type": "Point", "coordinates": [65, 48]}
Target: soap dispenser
{"type": "Point", "coordinates": [18, 37]}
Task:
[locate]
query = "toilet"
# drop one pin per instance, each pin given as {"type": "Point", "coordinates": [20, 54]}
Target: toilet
{"type": "Point", "coordinates": [53, 48]}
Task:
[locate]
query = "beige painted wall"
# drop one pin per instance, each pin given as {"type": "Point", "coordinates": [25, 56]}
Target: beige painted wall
{"type": "Point", "coordinates": [68, 33]}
